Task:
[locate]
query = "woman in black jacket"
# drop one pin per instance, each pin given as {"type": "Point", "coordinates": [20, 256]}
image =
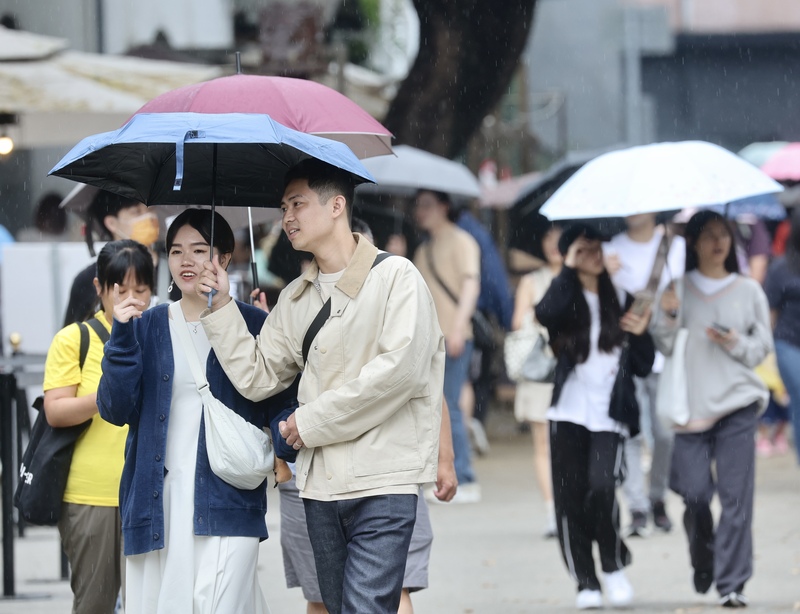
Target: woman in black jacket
{"type": "Point", "coordinates": [599, 349]}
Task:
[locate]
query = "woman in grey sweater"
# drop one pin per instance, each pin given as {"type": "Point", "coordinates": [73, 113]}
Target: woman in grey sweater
{"type": "Point", "coordinates": [729, 334]}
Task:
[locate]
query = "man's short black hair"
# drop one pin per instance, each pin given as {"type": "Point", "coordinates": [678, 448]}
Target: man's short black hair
{"type": "Point", "coordinates": [325, 179]}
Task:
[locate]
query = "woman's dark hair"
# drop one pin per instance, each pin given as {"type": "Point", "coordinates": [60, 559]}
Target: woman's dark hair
{"type": "Point", "coordinates": [539, 236]}
{"type": "Point", "coordinates": [117, 258]}
{"type": "Point", "coordinates": [49, 217]}
{"type": "Point", "coordinates": [453, 212]}
{"type": "Point", "coordinates": [793, 244]}
{"type": "Point", "coordinates": [200, 220]}
{"type": "Point", "coordinates": [574, 338]}
{"type": "Point", "coordinates": [695, 226]}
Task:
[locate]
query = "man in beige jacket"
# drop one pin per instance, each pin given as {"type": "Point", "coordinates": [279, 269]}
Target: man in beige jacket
{"type": "Point", "coordinates": [370, 396]}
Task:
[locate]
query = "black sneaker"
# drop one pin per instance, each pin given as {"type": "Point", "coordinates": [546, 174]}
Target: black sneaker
{"type": "Point", "coordinates": [703, 581]}
{"type": "Point", "coordinates": [660, 518]}
{"type": "Point", "coordinates": [638, 526]}
{"type": "Point", "coordinates": [733, 600]}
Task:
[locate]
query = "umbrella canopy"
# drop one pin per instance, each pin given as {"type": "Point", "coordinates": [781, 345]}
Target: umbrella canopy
{"type": "Point", "coordinates": [503, 195]}
{"type": "Point", "coordinates": [234, 159]}
{"type": "Point", "coordinates": [413, 169]}
{"type": "Point", "coordinates": [60, 96]}
{"type": "Point", "coordinates": [784, 164]}
{"type": "Point", "coordinates": [655, 178]}
{"type": "Point", "coordinates": [759, 152]}
{"type": "Point", "coordinates": [299, 104]}
{"type": "Point", "coordinates": [764, 207]}
{"type": "Point", "coordinates": [82, 195]}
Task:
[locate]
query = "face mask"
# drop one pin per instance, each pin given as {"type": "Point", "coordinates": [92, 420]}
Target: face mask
{"type": "Point", "coordinates": [144, 229]}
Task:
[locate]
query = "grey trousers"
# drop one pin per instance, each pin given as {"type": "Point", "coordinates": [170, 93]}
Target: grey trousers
{"type": "Point", "coordinates": [92, 540]}
{"type": "Point", "coordinates": [636, 493]}
{"type": "Point", "coordinates": [731, 443]}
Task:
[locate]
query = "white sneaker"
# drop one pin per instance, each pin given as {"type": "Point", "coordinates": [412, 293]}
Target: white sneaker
{"type": "Point", "coordinates": [466, 493]}
{"type": "Point", "coordinates": [588, 599]}
{"type": "Point", "coordinates": [478, 436]}
{"type": "Point", "coordinates": [618, 589]}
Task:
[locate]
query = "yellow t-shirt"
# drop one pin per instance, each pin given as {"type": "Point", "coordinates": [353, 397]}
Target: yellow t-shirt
{"type": "Point", "coordinates": [456, 257]}
{"type": "Point", "coordinates": [100, 450]}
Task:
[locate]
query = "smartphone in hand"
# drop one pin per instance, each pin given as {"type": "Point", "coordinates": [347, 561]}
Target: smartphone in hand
{"type": "Point", "coordinates": [722, 330]}
{"type": "Point", "coordinates": [641, 302]}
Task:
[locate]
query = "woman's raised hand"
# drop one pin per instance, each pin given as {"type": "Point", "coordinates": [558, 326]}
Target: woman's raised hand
{"type": "Point", "coordinates": [127, 308]}
{"type": "Point", "coordinates": [635, 324]}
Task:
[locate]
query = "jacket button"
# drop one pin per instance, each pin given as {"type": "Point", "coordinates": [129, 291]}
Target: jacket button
{"type": "Point", "coordinates": [329, 476]}
{"type": "Point", "coordinates": [156, 536]}
{"type": "Point", "coordinates": [155, 494]}
{"type": "Point", "coordinates": [158, 457]}
{"type": "Point", "coordinates": [323, 350]}
{"type": "Point", "coordinates": [162, 417]}
{"type": "Point", "coordinates": [199, 520]}
{"type": "Point", "coordinates": [165, 377]}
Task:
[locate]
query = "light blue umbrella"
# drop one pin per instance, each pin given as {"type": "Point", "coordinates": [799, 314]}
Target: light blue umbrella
{"type": "Point", "coordinates": [225, 159]}
{"type": "Point", "coordinates": [229, 159]}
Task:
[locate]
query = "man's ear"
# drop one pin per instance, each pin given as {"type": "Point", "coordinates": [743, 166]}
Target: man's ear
{"type": "Point", "coordinates": [97, 286]}
{"type": "Point", "coordinates": [112, 224]}
{"type": "Point", "coordinates": [339, 205]}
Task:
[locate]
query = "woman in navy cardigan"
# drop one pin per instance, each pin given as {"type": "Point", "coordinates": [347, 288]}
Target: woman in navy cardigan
{"type": "Point", "coordinates": [191, 539]}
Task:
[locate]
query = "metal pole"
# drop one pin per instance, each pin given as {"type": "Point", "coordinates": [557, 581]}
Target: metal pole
{"type": "Point", "coordinates": [8, 389]}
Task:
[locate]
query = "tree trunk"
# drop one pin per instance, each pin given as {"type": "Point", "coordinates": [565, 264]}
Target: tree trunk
{"type": "Point", "coordinates": [468, 52]}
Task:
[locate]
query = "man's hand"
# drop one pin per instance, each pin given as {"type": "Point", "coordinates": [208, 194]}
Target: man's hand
{"type": "Point", "coordinates": [214, 277]}
{"type": "Point", "coordinates": [127, 309]}
{"type": "Point", "coordinates": [289, 432]}
{"type": "Point", "coordinates": [446, 481]}
{"type": "Point", "coordinates": [454, 342]}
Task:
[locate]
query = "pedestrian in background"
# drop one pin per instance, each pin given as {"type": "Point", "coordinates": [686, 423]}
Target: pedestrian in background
{"type": "Point", "coordinates": [449, 262]}
{"type": "Point", "coordinates": [532, 399]}
{"type": "Point", "coordinates": [783, 292]}
{"type": "Point", "coordinates": [593, 392]}
{"type": "Point", "coordinates": [727, 318]}
{"type": "Point", "coordinates": [630, 257]}
{"type": "Point", "coordinates": [90, 528]}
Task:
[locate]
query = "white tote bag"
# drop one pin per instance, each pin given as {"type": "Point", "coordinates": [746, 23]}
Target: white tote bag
{"type": "Point", "coordinates": [239, 452]}
{"type": "Point", "coordinates": [672, 396]}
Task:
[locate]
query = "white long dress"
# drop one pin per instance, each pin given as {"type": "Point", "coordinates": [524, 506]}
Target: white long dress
{"type": "Point", "coordinates": [193, 573]}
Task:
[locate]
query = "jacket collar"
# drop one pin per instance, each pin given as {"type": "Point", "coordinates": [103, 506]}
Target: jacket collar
{"type": "Point", "coordinates": [354, 275]}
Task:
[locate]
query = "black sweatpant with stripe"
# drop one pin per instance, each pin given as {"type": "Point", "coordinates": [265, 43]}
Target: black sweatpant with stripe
{"type": "Point", "coordinates": [586, 470]}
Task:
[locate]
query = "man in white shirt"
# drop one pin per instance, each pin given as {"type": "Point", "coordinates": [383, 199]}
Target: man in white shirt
{"type": "Point", "coordinates": [629, 259]}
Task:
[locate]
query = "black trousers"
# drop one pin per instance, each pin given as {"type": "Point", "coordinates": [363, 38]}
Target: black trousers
{"type": "Point", "coordinates": [586, 469]}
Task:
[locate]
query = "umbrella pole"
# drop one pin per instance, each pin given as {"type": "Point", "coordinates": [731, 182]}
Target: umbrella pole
{"type": "Point", "coordinates": [213, 211]}
{"type": "Point", "coordinates": [253, 267]}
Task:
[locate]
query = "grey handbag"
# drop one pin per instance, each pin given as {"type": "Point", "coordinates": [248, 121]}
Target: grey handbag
{"type": "Point", "coordinates": [540, 365]}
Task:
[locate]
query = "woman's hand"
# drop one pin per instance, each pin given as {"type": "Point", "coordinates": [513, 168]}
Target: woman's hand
{"type": "Point", "coordinates": [635, 324]}
{"type": "Point", "coordinates": [127, 308]}
{"type": "Point", "coordinates": [726, 340]}
{"type": "Point", "coordinates": [670, 303]}
{"type": "Point", "coordinates": [575, 252]}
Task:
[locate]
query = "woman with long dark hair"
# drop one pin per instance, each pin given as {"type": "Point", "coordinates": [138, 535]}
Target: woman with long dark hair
{"type": "Point", "coordinates": [191, 539]}
{"type": "Point", "coordinates": [600, 344]}
{"type": "Point", "coordinates": [727, 319]}
{"type": "Point", "coordinates": [783, 292]}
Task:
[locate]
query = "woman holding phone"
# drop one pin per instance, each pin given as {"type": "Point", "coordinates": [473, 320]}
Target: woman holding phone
{"type": "Point", "coordinates": [600, 344]}
{"type": "Point", "coordinates": [728, 322]}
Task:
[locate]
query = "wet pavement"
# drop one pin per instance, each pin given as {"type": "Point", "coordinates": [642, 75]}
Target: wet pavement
{"type": "Point", "coordinates": [490, 558]}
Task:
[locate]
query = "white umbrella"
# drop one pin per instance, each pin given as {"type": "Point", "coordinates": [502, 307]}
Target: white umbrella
{"type": "Point", "coordinates": [657, 177]}
{"type": "Point", "coordinates": [412, 169]}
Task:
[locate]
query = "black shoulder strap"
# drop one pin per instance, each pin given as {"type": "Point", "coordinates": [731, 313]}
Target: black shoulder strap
{"type": "Point", "coordinates": [98, 328]}
{"type": "Point", "coordinates": [325, 312]}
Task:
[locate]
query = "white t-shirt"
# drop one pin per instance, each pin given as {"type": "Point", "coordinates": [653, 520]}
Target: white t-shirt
{"type": "Point", "coordinates": [709, 285]}
{"type": "Point", "coordinates": [637, 261]}
{"type": "Point", "coordinates": [326, 283]}
{"type": "Point", "coordinates": [586, 394]}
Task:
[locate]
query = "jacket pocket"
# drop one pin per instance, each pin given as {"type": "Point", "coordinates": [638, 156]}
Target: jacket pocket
{"type": "Point", "coordinates": [393, 446]}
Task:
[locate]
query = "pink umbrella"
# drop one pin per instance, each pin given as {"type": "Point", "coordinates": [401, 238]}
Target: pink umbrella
{"type": "Point", "coordinates": [299, 104]}
{"type": "Point", "coordinates": [784, 165]}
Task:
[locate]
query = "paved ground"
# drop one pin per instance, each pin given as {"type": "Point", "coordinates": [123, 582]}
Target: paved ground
{"type": "Point", "coordinates": [489, 557]}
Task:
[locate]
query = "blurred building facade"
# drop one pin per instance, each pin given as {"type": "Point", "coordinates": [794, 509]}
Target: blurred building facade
{"type": "Point", "coordinates": [637, 71]}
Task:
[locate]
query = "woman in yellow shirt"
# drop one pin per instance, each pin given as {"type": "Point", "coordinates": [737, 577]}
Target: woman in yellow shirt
{"type": "Point", "coordinates": [90, 522]}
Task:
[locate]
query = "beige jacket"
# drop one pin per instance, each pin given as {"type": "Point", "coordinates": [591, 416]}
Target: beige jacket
{"type": "Point", "coordinates": [371, 393]}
